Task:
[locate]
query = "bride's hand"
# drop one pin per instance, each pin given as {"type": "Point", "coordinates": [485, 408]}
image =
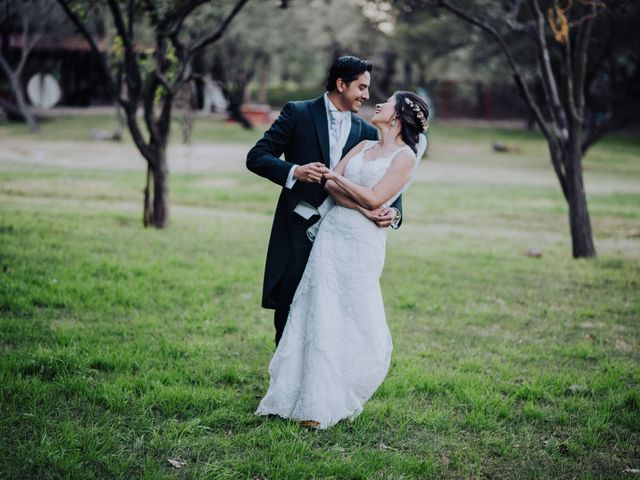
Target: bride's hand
{"type": "Point", "coordinates": [384, 216]}
{"type": "Point", "coordinates": [370, 214]}
{"type": "Point", "coordinates": [329, 175]}
{"type": "Point", "coordinates": [374, 215]}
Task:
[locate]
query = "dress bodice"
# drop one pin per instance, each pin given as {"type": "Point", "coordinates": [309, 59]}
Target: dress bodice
{"type": "Point", "coordinates": [370, 172]}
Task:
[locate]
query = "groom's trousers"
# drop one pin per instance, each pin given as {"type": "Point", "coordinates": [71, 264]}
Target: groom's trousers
{"type": "Point", "coordinates": [288, 283]}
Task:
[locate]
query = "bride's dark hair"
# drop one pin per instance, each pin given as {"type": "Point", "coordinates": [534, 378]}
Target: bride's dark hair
{"type": "Point", "coordinates": [413, 114]}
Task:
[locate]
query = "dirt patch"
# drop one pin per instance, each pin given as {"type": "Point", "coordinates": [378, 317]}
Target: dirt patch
{"type": "Point", "coordinates": [202, 158]}
{"type": "Point", "coordinates": [113, 156]}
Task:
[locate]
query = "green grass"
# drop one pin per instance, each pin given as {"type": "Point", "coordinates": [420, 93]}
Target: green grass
{"type": "Point", "coordinates": [122, 347]}
{"type": "Point", "coordinates": [79, 128]}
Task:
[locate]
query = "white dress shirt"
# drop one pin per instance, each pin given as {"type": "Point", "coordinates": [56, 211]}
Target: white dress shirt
{"type": "Point", "coordinates": [335, 147]}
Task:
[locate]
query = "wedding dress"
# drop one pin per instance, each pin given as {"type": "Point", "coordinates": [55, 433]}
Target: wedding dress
{"type": "Point", "coordinates": [336, 346]}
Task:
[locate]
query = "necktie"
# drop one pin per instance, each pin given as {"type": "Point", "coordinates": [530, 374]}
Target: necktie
{"type": "Point", "coordinates": [336, 125]}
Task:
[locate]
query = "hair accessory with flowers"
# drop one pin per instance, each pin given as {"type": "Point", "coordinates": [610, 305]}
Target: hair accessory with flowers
{"type": "Point", "coordinates": [418, 113]}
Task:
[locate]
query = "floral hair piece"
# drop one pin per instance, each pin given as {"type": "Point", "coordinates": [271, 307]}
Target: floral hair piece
{"type": "Point", "coordinates": [418, 113]}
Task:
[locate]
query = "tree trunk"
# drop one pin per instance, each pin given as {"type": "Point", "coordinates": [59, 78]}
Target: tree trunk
{"type": "Point", "coordinates": [156, 193]}
{"type": "Point", "coordinates": [263, 82]}
{"type": "Point", "coordinates": [235, 102]}
{"type": "Point", "coordinates": [146, 208]}
{"type": "Point", "coordinates": [408, 74]}
{"type": "Point", "coordinates": [579, 221]}
{"type": "Point", "coordinates": [21, 103]}
{"type": "Point", "coordinates": [388, 72]}
{"type": "Point", "coordinates": [161, 195]}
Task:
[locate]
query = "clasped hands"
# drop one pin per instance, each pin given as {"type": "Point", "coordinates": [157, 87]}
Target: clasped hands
{"type": "Point", "coordinates": [316, 171]}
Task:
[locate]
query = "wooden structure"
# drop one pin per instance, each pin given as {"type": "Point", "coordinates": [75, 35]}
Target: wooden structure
{"type": "Point", "coordinates": [70, 60]}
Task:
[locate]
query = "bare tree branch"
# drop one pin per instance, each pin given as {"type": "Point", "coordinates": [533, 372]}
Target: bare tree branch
{"type": "Point", "coordinates": [584, 34]}
{"type": "Point", "coordinates": [559, 169]}
{"type": "Point", "coordinates": [132, 69]}
{"type": "Point", "coordinates": [519, 78]}
{"type": "Point", "coordinates": [608, 124]}
{"type": "Point", "coordinates": [515, 9]}
{"type": "Point", "coordinates": [163, 80]}
{"type": "Point", "coordinates": [5, 66]}
{"type": "Point", "coordinates": [149, 108]}
{"type": "Point", "coordinates": [131, 17]}
{"type": "Point", "coordinates": [549, 83]}
{"type": "Point", "coordinates": [510, 19]}
{"type": "Point", "coordinates": [176, 20]}
{"type": "Point", "coordinates": [28, 42]}
{"type": "Point", "coordinates": [576, 118]}
{"type": "Point", "coordinates": [202, 43]}
{"type": "Point", "coordinates": [165, 113]}
{"type": "Point", "coordinates": [109, 81]}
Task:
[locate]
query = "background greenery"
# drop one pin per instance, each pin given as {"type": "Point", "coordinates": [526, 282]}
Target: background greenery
{"type": "Point", "coordinates": [121, 348]}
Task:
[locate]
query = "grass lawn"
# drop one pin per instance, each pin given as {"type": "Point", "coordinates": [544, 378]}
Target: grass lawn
{"type": "Point", "coordinates": [122, 348]}
{"type": "Point", "coordinates": [80, 128]}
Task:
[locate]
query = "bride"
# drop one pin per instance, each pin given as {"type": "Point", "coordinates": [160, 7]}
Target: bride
{"type": "Point", "coordinates": [336, 346]}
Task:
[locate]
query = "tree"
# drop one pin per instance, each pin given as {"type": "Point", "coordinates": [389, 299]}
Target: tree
{"type": "Point", "coordinates": [150, 77]}
{"type": "Point", "coordinates": [612, 87]}
{"type": "Point", "coordinates": [242, 53]}
{"type": "Point", "coordinates": [256, 50]}
{"type": "Point", "coordinates": [560, 33]}
{"type": "Point", "coordinates": [26, 18]}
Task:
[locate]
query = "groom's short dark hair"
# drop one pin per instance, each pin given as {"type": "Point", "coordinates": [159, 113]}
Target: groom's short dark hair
{"type": "Point", "coordinates": [348, 69]}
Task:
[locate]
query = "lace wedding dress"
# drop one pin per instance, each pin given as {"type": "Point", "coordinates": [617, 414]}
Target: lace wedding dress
{"type": "Point", "coordinates": [336, 346]}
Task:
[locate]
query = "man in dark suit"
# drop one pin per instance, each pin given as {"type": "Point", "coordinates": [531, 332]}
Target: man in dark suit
{"type": "Point", "coordinates": [313, 135]}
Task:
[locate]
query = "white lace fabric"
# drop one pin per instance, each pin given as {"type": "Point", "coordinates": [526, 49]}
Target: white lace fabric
{"type": "Point", "coordinates": [336, 346]}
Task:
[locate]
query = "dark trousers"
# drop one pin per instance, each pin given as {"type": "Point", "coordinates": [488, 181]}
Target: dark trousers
{"type": "Point", "coordinates": [288, 283]}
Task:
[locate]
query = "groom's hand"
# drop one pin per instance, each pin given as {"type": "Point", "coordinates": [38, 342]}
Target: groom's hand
{"type": "Point", "coordinates": [384, 217]}
{"type": "Point", "coordinates": [310, 172]}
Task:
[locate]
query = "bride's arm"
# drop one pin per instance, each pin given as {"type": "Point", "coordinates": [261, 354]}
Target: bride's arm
{"type": "Point", "coordinates": [374, 197]}
{"type": "Point", "coordinates": [342, 198]}
{"type": "Point", "coordinates": [339, 195]}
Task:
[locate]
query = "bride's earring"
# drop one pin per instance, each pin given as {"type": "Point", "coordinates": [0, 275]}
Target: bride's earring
{"type": "Point", "coordinates": [393, 122]}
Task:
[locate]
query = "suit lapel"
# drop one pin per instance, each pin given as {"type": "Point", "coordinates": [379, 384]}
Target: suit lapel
{"type": "Point", "coordinates": [319, 115]}
{"type": "Point", "coordinates": [354, 135]}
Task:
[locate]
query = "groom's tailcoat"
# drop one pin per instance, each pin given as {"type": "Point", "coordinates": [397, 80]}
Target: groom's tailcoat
{"type": "Point", "coordinates": [302, 135]}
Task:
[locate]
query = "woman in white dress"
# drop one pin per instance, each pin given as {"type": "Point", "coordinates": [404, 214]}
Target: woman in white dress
{"type": "Point", "coordinates": [336, 346]}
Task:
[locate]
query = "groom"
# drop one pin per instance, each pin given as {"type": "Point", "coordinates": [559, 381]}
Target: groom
{"type": "Point", "coordinates": [313, 135]}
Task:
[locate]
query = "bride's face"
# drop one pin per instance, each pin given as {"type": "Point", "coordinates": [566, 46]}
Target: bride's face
{"type": "Point", "coordinates": [385, 112]}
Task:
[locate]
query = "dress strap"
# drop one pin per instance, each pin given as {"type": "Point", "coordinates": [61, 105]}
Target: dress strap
{"type": "Point", "coordinates": [369, 145]}
{"type": "Point", "coordinates": [393, 155]}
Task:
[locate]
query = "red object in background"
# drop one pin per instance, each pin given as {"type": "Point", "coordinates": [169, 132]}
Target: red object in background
{"type": "Point", "coordinates": [256, 113]}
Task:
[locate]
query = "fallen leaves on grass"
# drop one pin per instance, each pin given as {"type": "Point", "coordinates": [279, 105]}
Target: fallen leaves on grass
{"type": "Point", "coordinates": [622, 346]}
{"type": "Point", "coordinates": [576, 389]}
{"type": "Point", "coordinates": [382, 446]}
{"type": "Point", "coordinates": [176, 462]}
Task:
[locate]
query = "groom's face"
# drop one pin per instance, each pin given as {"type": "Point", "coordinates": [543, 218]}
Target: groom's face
{"type": "Point", "coordinates": [353, 95]}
